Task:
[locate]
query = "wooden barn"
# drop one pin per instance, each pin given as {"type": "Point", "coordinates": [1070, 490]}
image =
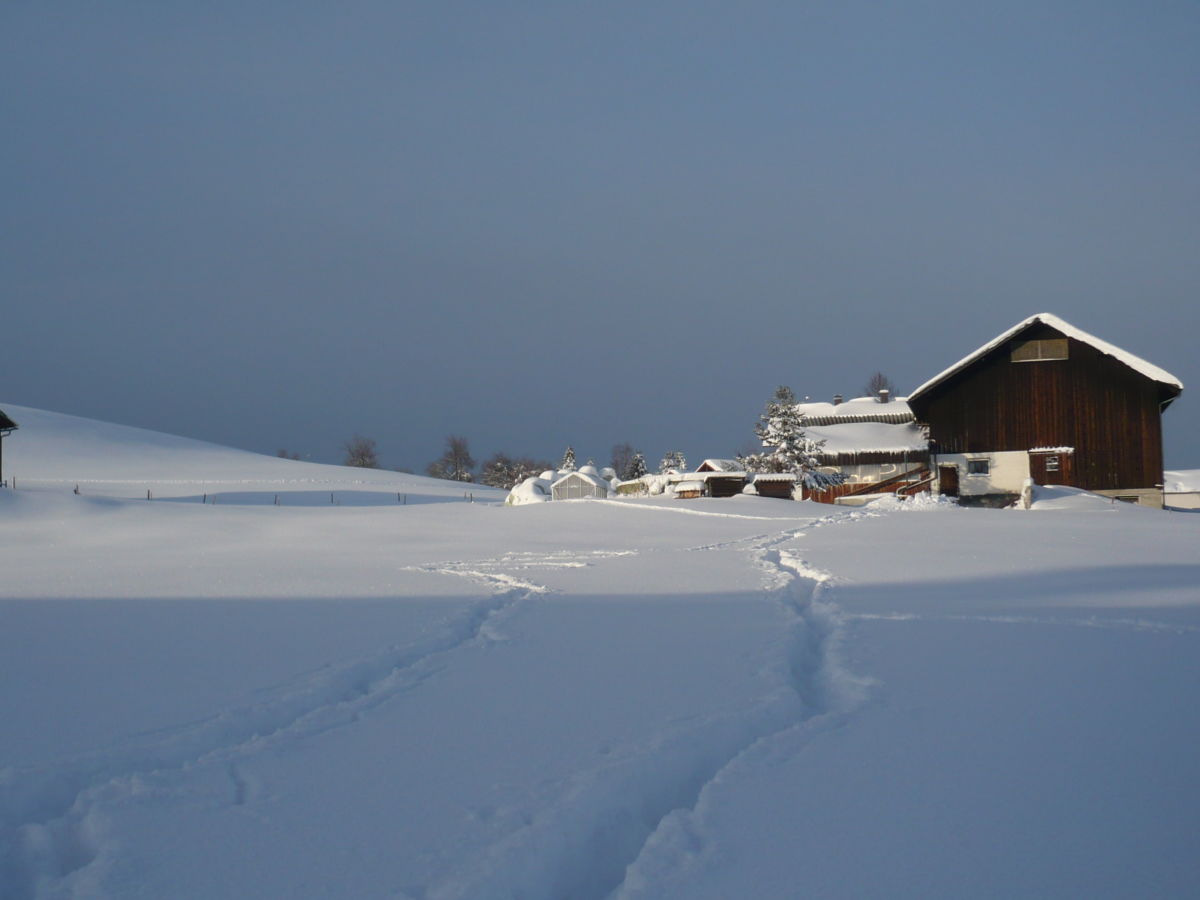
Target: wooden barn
{"type": "Point", "coordinates": [7, 427]}
{"type": "Point", "coordinates": [1046, 401]}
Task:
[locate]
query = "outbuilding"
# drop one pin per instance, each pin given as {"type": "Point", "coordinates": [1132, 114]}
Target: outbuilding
{"type": "Point", "coordinates": [874, 443]}
{"type": "Point", "coordinates": [7, 427]}
{"type": "Point", "coordinates": [781, 486]}
{"type": "Point", "coordinates": [580, 484]}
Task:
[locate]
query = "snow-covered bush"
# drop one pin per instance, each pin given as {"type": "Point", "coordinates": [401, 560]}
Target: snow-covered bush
{"type": "Point", "coordinates": [531, 490]}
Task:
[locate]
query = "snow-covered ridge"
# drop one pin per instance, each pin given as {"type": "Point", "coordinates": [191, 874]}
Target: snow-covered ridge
{"type": "Point", "coordinates": [54, 450]}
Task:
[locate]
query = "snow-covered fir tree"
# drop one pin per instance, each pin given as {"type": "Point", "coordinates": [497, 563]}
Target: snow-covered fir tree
{"type": "Point", "coordinates": [637, 467]}
{"type": "Point", "coordinates": [568, 460]}
{"type": "Point", "coordinates": [786, 446]}
{"type": "Point", "coordinates": [673, 460]}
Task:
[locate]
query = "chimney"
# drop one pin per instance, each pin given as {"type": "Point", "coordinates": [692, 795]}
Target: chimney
{"type": "Point", "coordinates": [884, 395]}
{"type": "Point", "coordinates": [837, 399]}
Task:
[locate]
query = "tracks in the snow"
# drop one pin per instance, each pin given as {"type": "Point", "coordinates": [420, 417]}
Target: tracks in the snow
{"type": "Point", "coordinates": [603, 822]}
{"type": "Point", "coordinates": [582, 844]}
{"type": "Point", "coordinates": [48, 815]}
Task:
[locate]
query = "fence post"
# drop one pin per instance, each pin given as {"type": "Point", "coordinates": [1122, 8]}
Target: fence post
{"type": "Point", "coordinates": [147, 493]}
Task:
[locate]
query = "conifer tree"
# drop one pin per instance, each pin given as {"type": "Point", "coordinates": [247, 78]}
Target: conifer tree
{"type": "Point", "coordinates": [637, 467]}
{"type": "Point", "coordinates": [568, 460]}
{"type": "Point", "coordinates": [673, 460]}
{"type": "Point", "coordinates": [786, 446]}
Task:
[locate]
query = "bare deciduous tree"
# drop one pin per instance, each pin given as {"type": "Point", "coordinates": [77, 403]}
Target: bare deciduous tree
{"type": "Point", "coordinates": [504, 471]}
{"type": "Point", "coordinates": [456, 463]}
{"type": "Point", "coordinates": [622, 459]}
{"type": "Point", "coordinates": [360, 452]}
{"type": "Point", "coordinates": [879, 382]}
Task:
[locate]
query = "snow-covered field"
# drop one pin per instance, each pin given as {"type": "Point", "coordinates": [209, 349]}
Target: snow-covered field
{"type": "Point", "coordinates": [387, 696]}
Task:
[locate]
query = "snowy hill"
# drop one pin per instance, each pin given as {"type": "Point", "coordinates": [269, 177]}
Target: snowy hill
{"type": "Point", "coordinates": [653, 698]}
{"type": "Point", "coordinates": [55, 451]}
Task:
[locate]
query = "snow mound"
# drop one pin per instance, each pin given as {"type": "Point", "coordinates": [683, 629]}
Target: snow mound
{"type": "Point", "coordinates": [1060, 497]}
{"type": "Point", "coordinates": [531, 490]}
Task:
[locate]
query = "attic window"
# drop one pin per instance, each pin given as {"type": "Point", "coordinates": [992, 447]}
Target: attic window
{"type": "Point", "coordinates": [1038, 351]}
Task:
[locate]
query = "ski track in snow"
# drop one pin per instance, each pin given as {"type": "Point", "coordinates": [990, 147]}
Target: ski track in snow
{"type": "Point", "coordinates": [51, 817]}
{"type": "Point", "coordinates": [585, 842]}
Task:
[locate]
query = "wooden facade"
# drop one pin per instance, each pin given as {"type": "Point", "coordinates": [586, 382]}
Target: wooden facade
{"type": "Point", "coordinates": [1064, 393]}
{"type": "Point", "coordinates": [725, 484]}
{"type": "Point", "coordinates": [780, 487]}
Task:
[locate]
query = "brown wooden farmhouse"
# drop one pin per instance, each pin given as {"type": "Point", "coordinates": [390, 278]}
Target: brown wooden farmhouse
{"type": "Point", "coordinates": [1046, 401]}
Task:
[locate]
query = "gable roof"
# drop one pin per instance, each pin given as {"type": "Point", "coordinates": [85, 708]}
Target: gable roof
{"type": "Point", "coordinates": [719, 465]}
{"type": "Point", "coordinates": [580, 475]}
{"type": "Point", "coordinates": [6, 424]}
{"type": "Point", "coordinates": [1139, 365]}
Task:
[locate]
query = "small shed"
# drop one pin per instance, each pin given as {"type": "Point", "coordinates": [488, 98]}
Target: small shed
{"type": "Point", "coordinates": [689, 490]}
{"type": "Point", "coordinates": [578, 485]}
{"type": "Point", "coordinates": [7, 427]}
{"type": "Point", "coordinates": [778, 485]}
{"type": "Point", "coordinates": [725, 484]}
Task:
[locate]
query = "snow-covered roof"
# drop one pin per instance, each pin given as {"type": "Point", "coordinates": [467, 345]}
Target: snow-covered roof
{"type": "Point", "coordinates": [1181, 481]}
{"type": "Point", "coordinates": [859, 409]}
{"type": "Point", "coordinates": [868, 437]}
{"type": "Point", "coordinates": [1139, 365]}
{"type": "Point", "coordinates": [775, 476]}
{"type": "Point", "coordinates": [689, 486]}
{"type": "Point", "coordinates": [584, 476]}
{"type": "Point", "coordinates": [721, 465]}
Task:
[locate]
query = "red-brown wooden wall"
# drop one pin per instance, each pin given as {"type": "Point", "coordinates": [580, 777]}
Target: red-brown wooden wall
{"type": "Point", "coordinates": [1109, 413]}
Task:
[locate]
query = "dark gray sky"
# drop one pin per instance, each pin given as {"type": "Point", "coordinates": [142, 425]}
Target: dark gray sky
{"type": "Point", "coordinates": [276, 224]}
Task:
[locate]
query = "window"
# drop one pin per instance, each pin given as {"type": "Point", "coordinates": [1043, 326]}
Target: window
{"type": "Point", "coordinates": [978, 466]}
{"type": "Point", "coordinates": [1051, 463]}
{"type": "Point", "coordinates": [1039, 351]}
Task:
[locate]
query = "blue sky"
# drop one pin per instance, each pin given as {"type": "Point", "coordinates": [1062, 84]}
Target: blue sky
{"type": "Point", "coordinates": [278, 224]}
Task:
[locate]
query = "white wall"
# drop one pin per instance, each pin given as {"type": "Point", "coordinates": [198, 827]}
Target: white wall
{"type": "Point", "coordinates": [1007, 472]}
